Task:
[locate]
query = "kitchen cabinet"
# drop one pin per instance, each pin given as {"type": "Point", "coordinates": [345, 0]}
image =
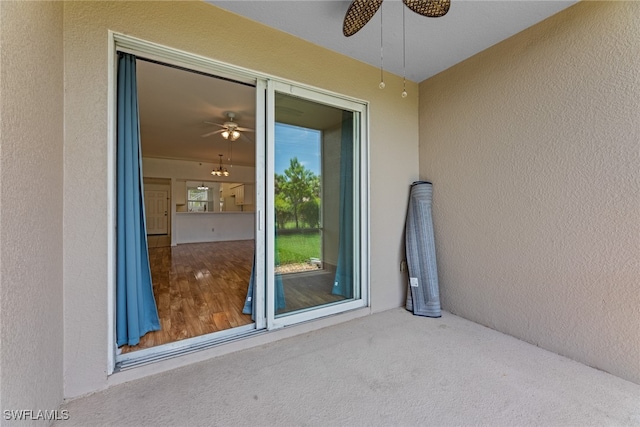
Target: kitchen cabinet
{"type": "Point", "coordinates": [249, 194]}
{"type": "Point", "coordinates": [239, 194]}
{"type": "Point", "coordinates": [244, 194]}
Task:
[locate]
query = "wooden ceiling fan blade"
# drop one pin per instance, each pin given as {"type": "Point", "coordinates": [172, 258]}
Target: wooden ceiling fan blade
{"type": "Point", "coordinates": [211, 133]}
{"type": "Point", "coordinates": [429, 8]}
{"type": "Point", "coordinates": [358, 14]}
{"type": "Point", "coordinates": [245, 130]}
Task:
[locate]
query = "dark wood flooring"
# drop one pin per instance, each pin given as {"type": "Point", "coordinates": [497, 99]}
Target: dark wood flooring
{"type": "Point", "coordinates": [200, 288]}
{"type": "Point", "coordinates": [308, 289]}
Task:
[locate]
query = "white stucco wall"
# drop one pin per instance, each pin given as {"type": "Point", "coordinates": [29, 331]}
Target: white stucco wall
{"type": "Point", "coordinates": [200, 28]}
{"type": "Point", "coordinates": [31, 144]}
{"type": "Point", "coordinates": [533, 147]}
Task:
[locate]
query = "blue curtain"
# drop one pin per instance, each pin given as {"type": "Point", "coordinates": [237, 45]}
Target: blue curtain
{"type": "Point", "coordinates": [343, 284]}
{"type": "Point", "coordinates": [280, 302]}
{"type": "Point", "coordinates": [249, 302]}
{"type": "Point", "coordinates": [136, 311]}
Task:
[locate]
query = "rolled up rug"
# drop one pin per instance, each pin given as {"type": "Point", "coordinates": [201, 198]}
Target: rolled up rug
{"type": "Point", "coordinates": [423, 295]}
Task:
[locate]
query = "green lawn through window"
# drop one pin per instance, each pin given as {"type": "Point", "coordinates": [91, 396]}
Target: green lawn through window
{"type": "Point", "coordinates": [298, 248]}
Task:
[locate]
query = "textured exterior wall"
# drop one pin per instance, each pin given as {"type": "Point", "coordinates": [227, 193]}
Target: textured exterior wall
{"type": "Point", "coordinates": [203, 29]}
{"type": "Point", "coordinates": [31, 143]}
{"type": "Point", "coordinates": [533, 147]}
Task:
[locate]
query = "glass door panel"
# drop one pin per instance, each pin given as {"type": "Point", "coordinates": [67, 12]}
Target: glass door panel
{"type": "Point", "coordinates": [315, 205]}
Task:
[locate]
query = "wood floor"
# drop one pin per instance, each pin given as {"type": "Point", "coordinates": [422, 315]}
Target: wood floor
{"type": "Point", "coordinates": [200, 288]}
{"type": "Point", "coordinates": [309, 289]}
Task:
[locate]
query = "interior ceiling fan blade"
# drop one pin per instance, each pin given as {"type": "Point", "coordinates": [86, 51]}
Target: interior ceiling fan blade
{"type": "Point", "coordinates": [430, 8]}
{"type": "Point", "coordinates": [245, 130]}
{"type": "Point", "coordinates": [211, 133]}
{"type": "Point", "coordinates": [211, 123]}
{"type": "Point", "coordinates": [358, 14]}
{"type": "Point", "coordinates": [245, 137]}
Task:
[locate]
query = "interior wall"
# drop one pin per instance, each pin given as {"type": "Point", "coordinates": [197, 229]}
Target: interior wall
{"type": "Point", "coordinates": [532, 147]}
{"type": "Point", "coordinates": [205, 30]}
{"type": "Point", "coordinates": [194, 171]}
{"type": "Point", "coordinates": [31, 174]}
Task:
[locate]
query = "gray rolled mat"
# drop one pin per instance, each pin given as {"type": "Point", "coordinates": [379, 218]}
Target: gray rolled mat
{"type": "Point", "coordinates": [423, 296]}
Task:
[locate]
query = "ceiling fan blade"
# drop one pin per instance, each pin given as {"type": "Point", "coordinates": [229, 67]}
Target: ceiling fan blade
{"type": "Point", "coordinates": [429, 8]}
{"type": "Point", "coordinates": [211, 133]}
{"type": "Point", "coordinates": [358, 14]}
{"type": "Point", "coordinates": [211, 123]}
{"type": "Point", "coordinates": [245, 130]}
{"type": "Point", "coordinates": [243, 136]}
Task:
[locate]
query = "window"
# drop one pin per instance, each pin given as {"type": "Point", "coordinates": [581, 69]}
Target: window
{"type": "Point", "coordinates": [199, 199]}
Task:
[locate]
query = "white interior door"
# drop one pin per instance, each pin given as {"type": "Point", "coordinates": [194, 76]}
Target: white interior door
{"type": "Point", "coordinates": [156, 210]}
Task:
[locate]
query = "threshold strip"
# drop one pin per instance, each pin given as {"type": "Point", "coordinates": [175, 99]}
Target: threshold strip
{"type": "Point", "coordinates": [176, 352]}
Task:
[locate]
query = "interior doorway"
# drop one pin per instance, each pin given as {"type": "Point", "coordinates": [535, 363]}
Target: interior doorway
{"type": "Point", "coordinates": [156, 204]}
{"type": "Point", "coordinates": [157, 200]}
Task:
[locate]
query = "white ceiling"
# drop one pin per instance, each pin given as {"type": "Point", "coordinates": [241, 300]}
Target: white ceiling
{"type": "Point", "coordinates": [432, 44]}
{"type": "Point", "coordinates": [174, 104]}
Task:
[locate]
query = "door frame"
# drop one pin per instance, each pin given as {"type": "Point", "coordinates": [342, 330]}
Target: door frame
{"type": "Point", "coordinates": [362, 248]}
{"type": "Point", "coordinates": [264, 223]}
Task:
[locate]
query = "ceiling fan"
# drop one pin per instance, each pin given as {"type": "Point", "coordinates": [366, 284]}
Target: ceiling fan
{"type": "Point", "coordinates": [230, 129]}
{"type": "Point", "coordinates": [361, 11]}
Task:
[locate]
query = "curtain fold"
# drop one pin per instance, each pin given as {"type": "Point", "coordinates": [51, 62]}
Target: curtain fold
{"type": "Point", "coordinates": [249, 301]}
{"type": "Point", "coordinates": [136, 311]}
{"type": "Point", "coordinates": [343, 284]}
{"type": "Point", "coordinates": [279, 291]}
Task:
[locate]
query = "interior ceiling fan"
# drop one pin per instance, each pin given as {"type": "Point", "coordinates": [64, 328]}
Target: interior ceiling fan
{"type": "Point", "coordinates": [361, 11]}
{"type": "Point", "coordinates": [230, 129]}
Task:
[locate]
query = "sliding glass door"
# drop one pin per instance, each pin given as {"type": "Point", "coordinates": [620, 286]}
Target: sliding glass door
{"type": "Point", "coordinates": [314, 174]}
{"type": "Point", "coordinates": [297, 216]}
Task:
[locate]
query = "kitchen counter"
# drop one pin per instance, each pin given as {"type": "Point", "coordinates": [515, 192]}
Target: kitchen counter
{"type": "Point", "coordinates": [195, 227]}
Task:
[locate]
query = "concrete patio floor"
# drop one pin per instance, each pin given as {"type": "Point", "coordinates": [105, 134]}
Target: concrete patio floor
{"type": "Point", "coordinates": [387, 369]}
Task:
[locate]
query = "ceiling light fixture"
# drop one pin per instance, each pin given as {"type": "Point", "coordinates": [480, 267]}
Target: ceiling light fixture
{"type": "Point", "coordinates": [231, 133]}
{"type": "Point", "coordinates": [220, 171]}
{"type": "Point", "coordinates": [202, 187]}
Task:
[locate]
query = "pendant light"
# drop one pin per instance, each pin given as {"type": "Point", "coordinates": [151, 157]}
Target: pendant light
{"type": "Point", "coordinates": [220, 171]}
